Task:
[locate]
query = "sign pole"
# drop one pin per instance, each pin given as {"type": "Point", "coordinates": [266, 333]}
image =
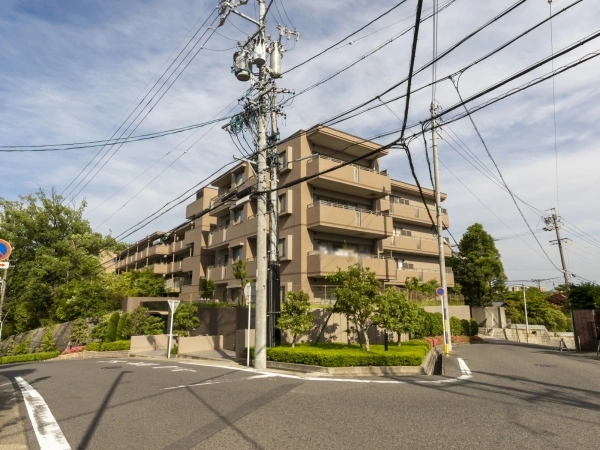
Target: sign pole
{"type": "Point", "coordinates": [2, 290]}
{"type": "Point", "coordinates": [5, 251]}
{"type": "Point", "coordinates": [172, 308]}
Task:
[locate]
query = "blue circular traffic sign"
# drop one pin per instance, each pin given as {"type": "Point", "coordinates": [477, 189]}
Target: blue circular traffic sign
{"type": "Point", "coordinates": [439, 291]}
{"type": "Point", "coordinates": [5, 250]}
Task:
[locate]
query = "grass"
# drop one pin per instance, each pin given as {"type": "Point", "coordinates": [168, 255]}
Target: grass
{"type": "Point", "coordinates": [409, 353]}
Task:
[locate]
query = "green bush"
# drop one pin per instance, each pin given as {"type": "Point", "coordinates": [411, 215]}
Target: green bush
{"type": "Point", "coordinates": [111, 330]}
{"type": "Point", "coordinates": [466, 327]}
{"type": "Point", "coordinates": [456, 328]}
{"type": "Point", "coordinates": [22, 348]}
{"type": "Point", "coordinates": [411, 353]}
{"type": "Point", "coordinates": [48, 343]}
{"type": "Point", "coordinates": [29, 357]}
{"type": "Point", "coordinates": [122, 327]}
{"type": "Point", "coordinates": [174, 349]}
{"type": "Point", "coordinates": [108, 346]}
{"type": "Point", "coordinates": [474, 327]}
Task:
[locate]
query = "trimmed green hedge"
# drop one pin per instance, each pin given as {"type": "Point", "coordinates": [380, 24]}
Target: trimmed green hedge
{"type": "Point", "coordinates": [28, 358]}
{"type": "Point", "coordinates": [108, 346]}
{"type": "Point", "coordinates": [342, 355]}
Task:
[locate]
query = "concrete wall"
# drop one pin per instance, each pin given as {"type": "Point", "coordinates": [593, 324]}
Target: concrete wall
{"type": "Point", "coordinates": [60, 332]}
{"type": "Point", "coordinates": [141, 344]}
{"type": "Point", "coordinates": [223, 322]}
{"type": "Point", "coordinates": [489, 316]}
{"type": "Point", "coordinates": [458, 311]}
{"type": "Point", "coordinates": [199, 343]}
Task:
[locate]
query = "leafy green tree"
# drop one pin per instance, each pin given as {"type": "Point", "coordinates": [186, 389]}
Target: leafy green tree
{"type": "Point", "coordinates": [79, 332]}
{"type": "Point", "coordinates": [111, 330]}
{"type": "Point", "coordinates": [584, 296]}
{"type": "Point", "coordinates": [428, 288]}
{"type": "Point", "coordinates": [207, 288]}
{"type": "Point", "coordinates": [186, 319]}
{"type": "Point", "coordinates": [356, 297]}
{"type": "Point", "coordinates": [154, 325]}
{"type": "Point", "coordinates": [48, 343]}
{"type": "Point", "coordinates": [122, 326]}
{"type": "Point", "coordinates": [140, 323]}
{"type": "Point", "coordinates": [240, 272]}
{"type": "Point", "coordinates": [456, 328]}
{"type": "Point", "coordinates": [477, 267]}
{"type": "Point", "coordinates": [412, 286]}
{"type": "Point", "coordinates": [143, 284]}
{"type": "Point", "coordinates": [432, 324]}
{"type": "Point", "coordinates": [539, 310]}
{"type": "Point", "coordinates": [99, 331]}
{"type": "Point", "coordinates": [397, 314]}
{"type": "Point", "coordinates": [296, 315]}
{"type": "Point", "coordinates": [54, 247]}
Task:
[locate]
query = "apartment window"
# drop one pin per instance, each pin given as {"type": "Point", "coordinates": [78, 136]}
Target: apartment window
{"type": "Point", "coordinates": [281, 248]}
{"type": "Point", "coordinates": [398, 263]}
{"type": "Point", "coordinates": [400, 200]}
{"type": "Point", "coordinates": [239, 178]}
{"type": "Point", "coordinates": [283, 160]}
{"type": "Point", "coordinates": [236, 253]}
{"type": "Point", "coordinates": [225, 259]}
{"type": "Point", "coordinates": [238, 216]}
{"type": "Point", "coordinates": [282, 203]}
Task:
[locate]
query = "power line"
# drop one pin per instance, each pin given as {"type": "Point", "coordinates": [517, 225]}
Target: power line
{"type": "Point", "coordinates": [347, 37]}
{"type": "Point", "coordinates": [138, 105]}
{"type": "Point", "coordinates": [554, 106]}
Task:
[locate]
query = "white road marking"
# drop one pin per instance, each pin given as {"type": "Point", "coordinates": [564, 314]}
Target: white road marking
{"type": "Point", "coordinates": [47, 431]}
{"type": "Point", "coordinates": [466, 374]}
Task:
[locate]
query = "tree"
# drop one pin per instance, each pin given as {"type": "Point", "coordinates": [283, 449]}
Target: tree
{"type": "Point", "coordinates": [48, 343]}
{"type": "Point", "coordinates": [397, 314]}
{"type": "Point", "coordinates": [79, 332]}
{"type": "Point", "coordinates": [186, 319]}
{"type": "Point", "coordinates": [428, 288]}
{"type": "Point", "coordinates": [584, 296]}
{"type": "Point", "coordinates": [477, 267]}
{"type": "Point", "coordinates": [99, 331]}
{"type": "Point", "coordinates": [111, 330]}
{"type": "Point", "coordinates": [412, 285]}
{"type": "Point", "coordinates": [142, 324]}
{"type": "Point", "coordinates": [142, 284]}
{"type": "Point", "coordinates": [240, 272]}
{"type": "Point", "coordinates": [154, 325]}
{"type": "Point", "coordinates": [539, 310]}
{"type": "Point", "coordinates": [357, 297]}
{"type": "Point", "coordinates": [55, 247]}
{"type": "Point", "coordinates": [295, 315]}
{"type": "Point", "coordinates": [207, 288]}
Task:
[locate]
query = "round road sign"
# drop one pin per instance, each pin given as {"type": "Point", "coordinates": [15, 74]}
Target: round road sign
{"type": "Point", "coordinates": [5, 250]}
{"type": "Point", "coordinates": [439, 291]}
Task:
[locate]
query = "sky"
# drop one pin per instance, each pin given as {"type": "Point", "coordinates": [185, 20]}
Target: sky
{"type": "Point", "coordinates": [73, 71]}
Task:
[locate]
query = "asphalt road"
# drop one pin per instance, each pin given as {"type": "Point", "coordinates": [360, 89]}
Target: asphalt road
{"type": "Point", "coordinates": [518, 397]}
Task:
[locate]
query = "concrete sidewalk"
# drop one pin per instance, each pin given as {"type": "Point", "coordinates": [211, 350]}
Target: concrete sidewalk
{"type": "Point", "coordinates": [12, 429]}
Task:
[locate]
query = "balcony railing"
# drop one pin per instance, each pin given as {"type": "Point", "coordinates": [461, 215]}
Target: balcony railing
{"type": "Point", "coordinates": [343, 206]}
{"type": "Point", "coordinates": [339, 161]}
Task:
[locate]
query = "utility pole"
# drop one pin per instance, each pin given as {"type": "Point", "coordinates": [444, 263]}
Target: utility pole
{"type": "Point", "coordinates": [553, 222]}
{"type": "Point", "coordinates": [250, 55]}
{"type": "Point", "coordinates": [440, 233]}
{"type": "Point", "coordinates": [526, 319]}
{"type": "Point", "coordinates": [274, 302]}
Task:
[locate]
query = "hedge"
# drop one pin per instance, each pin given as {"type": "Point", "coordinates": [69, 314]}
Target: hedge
{"type": "Point", "coordinates": [341, 355]}
{"type": "Point", "coordinates": [108, 346]}
{"type": "Point", "coordinates": [28, 358]}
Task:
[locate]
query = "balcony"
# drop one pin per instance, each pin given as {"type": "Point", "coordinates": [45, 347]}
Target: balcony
{"type": "Point", "coordinates": [194, 236]}
{"type": "Point", "coordinates": [424, 275]}
{"type": "Point", "coordinates": [217, 238]}
{"type": "Point", "coordinates": [330, 217]}
{"type": "Point", "coordinates": [416, 214]}
{"type": "Point", "coordinates": [413, 244]}
{"type": "Point", "coordinates": [175, 266]}
{"type": "Point", "coordinates": [158, 268]}
{"type": "Point", "coordinates": [351, 179]}
{"type": "Point", "coordinates": [244, 229]}
{"type": "Point", "coordinates": [158, 250]}
{"type": "Point", "coordinates": [190, 264]}
{"type": "Point", "coordinates": [178, 246]}
{"type": "Point", "coordinates": [322, 264]}
{"type": "Point", "coordinates": [222, 273]}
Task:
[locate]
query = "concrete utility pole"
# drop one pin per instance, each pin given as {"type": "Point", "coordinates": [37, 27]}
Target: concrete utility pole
{"type": "Point", "coordinates": [252, 55]}
{"type": "Point", "coordinates": [559, 242]}
{"type": "Point", "coordinates": [440, 233]}
{"type": "Point", "coordinates": [526, 319]}
{"type": "Point", "coordinates": [274, 302]}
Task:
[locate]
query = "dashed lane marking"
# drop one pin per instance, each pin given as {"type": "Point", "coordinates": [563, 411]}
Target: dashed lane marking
{"type": "Point", "coordinates": [47, 431]}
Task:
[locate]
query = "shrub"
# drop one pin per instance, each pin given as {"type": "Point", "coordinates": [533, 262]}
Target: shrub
{"type": "Point", "coordinates": [154, 325]}
{"type": "Point", "coordinates": [22, 348]}
{"type": "Point", "coordinates": [29, 357]}
{"type": "Point", "coordinates": [111, 330]}
{"type": "Point", "coordinates": [79, 331]}
{"type": "Point", "coordinates": [456, 328]}
{"type": "Point", "coordinates": [122, 327]}
{"type": "Point", "coordinates": [474, 327]}
{"type": "Point", "coordinates": [341, 355]}
{"type": "Point", "coordinates": [108, 346]}
{"type": "Point", "coordinates": [466, 327]}
{"type": "Point", "coordinates": [77, 349]}
{"type": "Point", "coordinates": [99, 331]}
{"type": "Point", "coordinates": [174, 349]}
{"type": "Point", "coordinates": [48, 344]}
{"type": "Point", "coordinates": [186, 319]}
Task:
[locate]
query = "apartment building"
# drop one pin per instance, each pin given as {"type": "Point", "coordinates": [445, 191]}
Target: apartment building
{"type": "Point", "coordinates": [354, 215]}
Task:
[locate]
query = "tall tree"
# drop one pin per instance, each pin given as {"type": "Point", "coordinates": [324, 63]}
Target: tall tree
{"type": "Point", "coordinates": [584, 296]}
{"type": "Point", "coordinates": [478, 267]}
{"type": "Point", "coordinates": [54, 247]}
{"type": "Point", "coordinates": [397, 314]}
{"type": "Point", "coordinates": [295, 315]}
{"type": "Point", "coordinates": [357, 296]}
{"type": "Point", "coordinates": [186, 318]}
{"type": "Point", "coordinates": [240, 272]}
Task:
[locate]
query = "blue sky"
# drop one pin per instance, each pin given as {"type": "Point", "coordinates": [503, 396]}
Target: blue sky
{"type": "Point", "coordinates": [71, 71]}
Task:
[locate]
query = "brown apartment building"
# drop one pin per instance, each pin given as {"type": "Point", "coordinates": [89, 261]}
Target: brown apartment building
{"type": "Point", "coordinates": [354, 215]}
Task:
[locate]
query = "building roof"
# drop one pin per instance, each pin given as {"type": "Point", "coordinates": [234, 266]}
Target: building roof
{"type": "Point", "coordinates": [414, 189]}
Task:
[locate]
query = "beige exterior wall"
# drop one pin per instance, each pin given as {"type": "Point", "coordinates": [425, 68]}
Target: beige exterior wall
{"type": "Point", "coordinates": [356, 214]}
